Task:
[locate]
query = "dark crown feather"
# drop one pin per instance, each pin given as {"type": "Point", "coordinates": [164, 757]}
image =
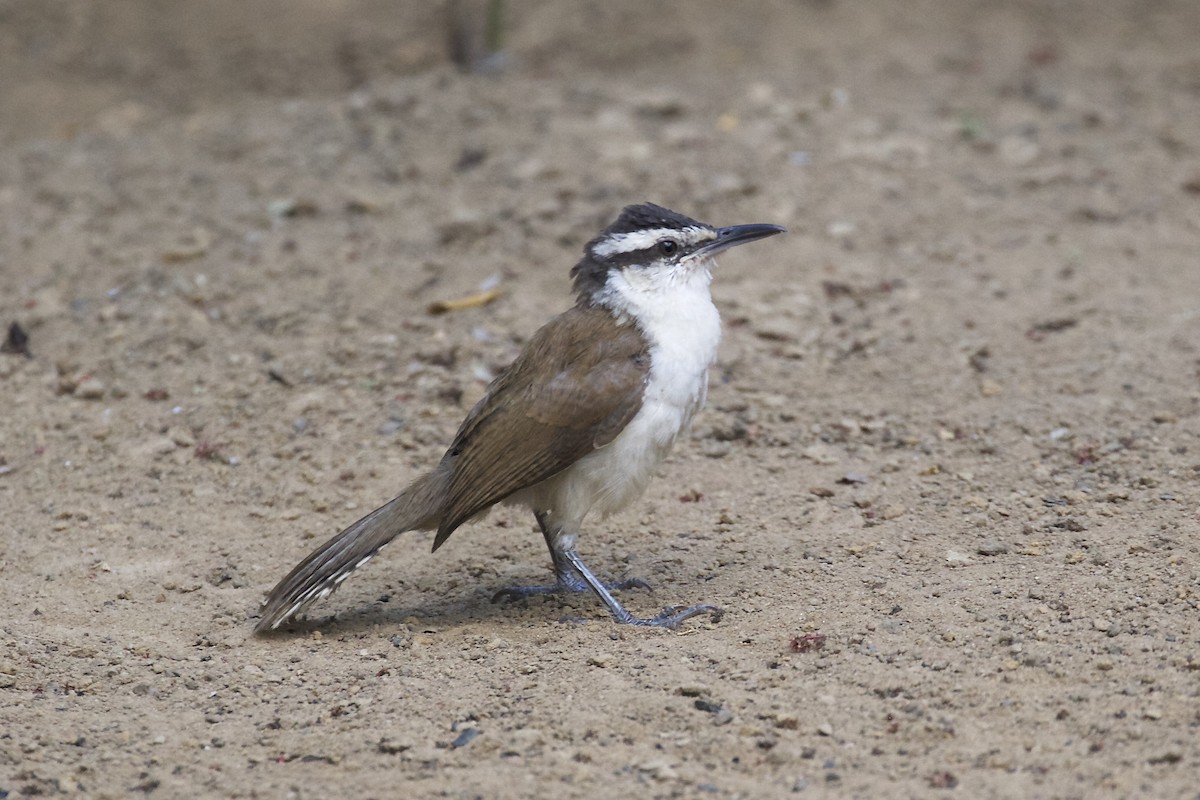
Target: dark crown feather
{"type": "Point", "coordinates": [647, 215]}
{"type": "Point", "coordinates": [589, 273]}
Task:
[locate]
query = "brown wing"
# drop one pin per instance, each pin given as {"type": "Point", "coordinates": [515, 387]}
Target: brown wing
{"type": "Point", "coordinates": [574, 387]}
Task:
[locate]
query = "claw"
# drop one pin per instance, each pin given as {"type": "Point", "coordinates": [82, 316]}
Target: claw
{"type": "Point", "coordinates": [672, 617]}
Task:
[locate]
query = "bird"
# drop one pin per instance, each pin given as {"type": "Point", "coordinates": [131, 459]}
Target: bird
{"type": "Point", "coordinates": [577, 423]}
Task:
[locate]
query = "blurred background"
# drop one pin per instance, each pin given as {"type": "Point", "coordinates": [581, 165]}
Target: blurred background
{"type": "Point", "coordinates": [65, 63]}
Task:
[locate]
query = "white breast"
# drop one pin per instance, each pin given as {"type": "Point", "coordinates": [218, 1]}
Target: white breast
{"type": "Point", "coordinates": [676, 314]}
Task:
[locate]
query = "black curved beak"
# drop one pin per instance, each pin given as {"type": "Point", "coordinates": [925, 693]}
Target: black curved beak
{"type": "Point", "coordinates": [738, 234]}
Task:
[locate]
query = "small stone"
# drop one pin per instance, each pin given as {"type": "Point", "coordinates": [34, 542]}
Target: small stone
{"type": "Point", "coordinates": [778, 328]}
{"type": "Point", "coordinates": [1153, 713]}
{"type": "Point", "coordinates": [825, 729]}
{"type": "Point", "coordinates": [893, 511]}
{"type": "Point", "coordinates": [90, 389]}
{"type": "Point", "coordinates": [1104, 664]}
{"type": "Point", "coordinates": [1018, 151]}
{"type": "Point", "coordinates": [1101, 624]}
{"type": "Point", "coordinates": [992, 547]}
{"type": "Point", "coordinates": [659, 769]}
{"type": "Point", "coordinates": [660, 103]}
{"type": "Point", "coordinates": [693, 690]}
{"type": "Point", "coordinates": [715, 449]}
{"type": "Point", "coordinates": [181, 437]}
{"type": "Point", "coordinates": [956, 559]}
{"type": "Point", "coordinates": [464, 738]}
{"type": "Point", "coordinates": [154, 448]}
{"type": "Point", "coordinates": [391, 747]}
{"type": "Point", "coordinates": [465, 225]}
{"type": "Point", "coordinates": [722, 716]}
{"type": "Point", "coordinates": [601, 660]}
{"type": "Point", "coordinates": [819, 454]}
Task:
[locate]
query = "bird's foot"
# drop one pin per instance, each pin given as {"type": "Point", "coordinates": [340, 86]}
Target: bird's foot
{"type": "Point", "coordinates": [565, 584]}
{"type": "Point", "coordinates": [671, 618]}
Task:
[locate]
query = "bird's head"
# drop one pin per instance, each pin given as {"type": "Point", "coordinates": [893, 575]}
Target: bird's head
{"type": "Point", "coordinates": [656, 248]}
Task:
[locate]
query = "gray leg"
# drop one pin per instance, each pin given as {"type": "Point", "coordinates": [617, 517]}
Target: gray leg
{"type": "Point", "coordinates": [566, 578]}
{"type": "Point", "coordinates": [569, 569]}
{"type": "Point", "coordinates": [668, 618]}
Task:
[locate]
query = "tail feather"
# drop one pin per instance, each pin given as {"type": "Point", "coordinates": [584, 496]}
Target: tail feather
{"type": "Point", "coordinates": [416, 508]}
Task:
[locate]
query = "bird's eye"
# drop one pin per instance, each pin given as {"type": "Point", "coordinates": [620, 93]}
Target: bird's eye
{"type": "Point", "coordinates": [668, 247]}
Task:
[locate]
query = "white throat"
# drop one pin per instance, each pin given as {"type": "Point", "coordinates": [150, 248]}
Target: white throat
{"type": "Point", "coordinates": [674, 310]}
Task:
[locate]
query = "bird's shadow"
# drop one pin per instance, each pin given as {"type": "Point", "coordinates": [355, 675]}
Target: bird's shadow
{"type": "Point", "coordinates": [451, 612]}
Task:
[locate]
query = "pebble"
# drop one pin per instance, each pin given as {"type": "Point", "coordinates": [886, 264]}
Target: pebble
{"type": "Point", "coordinates": [660, 770]}
{"type": "Point", "coordinates": [955, 558]}
{"type": "Point", "coordinates": [819, 454]}
{"type": "Point", "coordinates": [660, 103]}
{"type": "Point", "coordinates": [90, 389]}
{"type": "Point", "coordinates": [778, 328]}
{"type": "Point", "coordinates": [992, 547]}
{"type": "Point", "coordinates": [825, 729]}
{"type": "Point", "coordinates": [1018, 151]}
{"type": "Point", "coordinates": [154, 448]}
{"type": "Point", "coordinates": [789, 722]}
{"type": "Point", "coordinates": [181, 437]}
{"type": "Point", "coordinates": [464, 738]}
{"type": "Point", "coordinates": [391, 747]}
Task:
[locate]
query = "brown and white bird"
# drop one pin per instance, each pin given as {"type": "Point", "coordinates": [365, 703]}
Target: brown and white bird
{"type": "Point", "coordinates": [578, 422]}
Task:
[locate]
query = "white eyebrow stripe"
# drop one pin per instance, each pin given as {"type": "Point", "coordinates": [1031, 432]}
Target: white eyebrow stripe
{"type": "Point", "coordinates": [634, 241]}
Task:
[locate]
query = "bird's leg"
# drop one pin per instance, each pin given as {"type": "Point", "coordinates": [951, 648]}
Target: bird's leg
{"type": "Point", "coordinates": [567, 579]}
{"type": "Point", "coordinates": [570, 569]}
{"type": "Point", "coordinates": [668, 618]}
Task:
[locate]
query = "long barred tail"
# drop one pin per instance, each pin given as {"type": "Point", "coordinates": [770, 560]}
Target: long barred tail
{"type": "Point", "coordinates": [416, 508]}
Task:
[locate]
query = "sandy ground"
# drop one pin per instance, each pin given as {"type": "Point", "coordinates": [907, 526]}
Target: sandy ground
{"type": "Point", "coordinates": [947, 487]}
